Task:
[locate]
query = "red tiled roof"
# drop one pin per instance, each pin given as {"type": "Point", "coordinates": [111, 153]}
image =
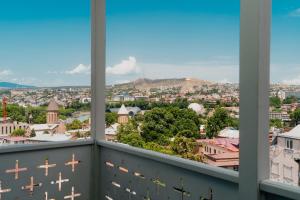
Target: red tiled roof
{"type": "Point", "coordinates": [227, 143]}
{"type": "Point", "coordinates": [233, 155]}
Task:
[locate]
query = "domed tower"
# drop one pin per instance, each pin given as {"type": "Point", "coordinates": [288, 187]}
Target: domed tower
{"type": "Point", "coordinates": [123, 115]}
{"type": "Point", "coordinates": [52, 112]}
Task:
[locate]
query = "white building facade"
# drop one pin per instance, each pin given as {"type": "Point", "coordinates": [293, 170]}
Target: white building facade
{"type": "Point", "coordinates": [284, 157]}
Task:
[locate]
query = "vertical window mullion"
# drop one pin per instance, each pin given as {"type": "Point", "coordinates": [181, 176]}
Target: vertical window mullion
{"type": "Point", "coordinates": [254, 96]}
{"type": "Point", "coordinates": [98, 62]}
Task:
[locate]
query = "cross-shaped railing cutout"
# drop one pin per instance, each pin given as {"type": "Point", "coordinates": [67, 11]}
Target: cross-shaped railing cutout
{"type": "Point", "coordinates": [147, 197]}
{"type": "Point", "coordinates": [210, 195]}
{"type": "Point", "coordinates": [158, 183]}
{"type": "Point", "coordinates": [130, 192]}
{"type": "Point", "coordinates": [46, 166]}
{"type": "Point", "coordinates": [72, 163]}
{"type": "Point", "coordinates": [16, 170]}
{"type": "Point", "coordinates": [31, 185]}
{"type": "Point", "coordinates": [73, 195]}
{"type": "Point", "coordinates": [46, 196]}
{"type": "Point", "coordinates": [137, 174]}
{"type": "Point", "coordinates": [60, 181]}
{"type": "Point", "coordinates": [182, 191]}
{"type": "Point", "coordinates": [2, 191]}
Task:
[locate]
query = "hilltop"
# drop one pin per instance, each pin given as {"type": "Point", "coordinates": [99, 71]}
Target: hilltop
{"type": "Point", "coordinates": [185, 84]}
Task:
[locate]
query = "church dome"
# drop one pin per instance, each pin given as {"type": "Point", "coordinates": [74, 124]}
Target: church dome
{"type": "Point", "coordinates": [198, 108]}
{"type": "Point", "coordinates": [53, 106]}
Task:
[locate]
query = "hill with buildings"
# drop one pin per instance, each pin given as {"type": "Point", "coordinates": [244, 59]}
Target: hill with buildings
{"type": "Point", "coordinates": [185, 84]}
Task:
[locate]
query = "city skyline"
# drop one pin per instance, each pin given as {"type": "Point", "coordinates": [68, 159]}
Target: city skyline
{"type": "Point", "coordinates": [48, 44]}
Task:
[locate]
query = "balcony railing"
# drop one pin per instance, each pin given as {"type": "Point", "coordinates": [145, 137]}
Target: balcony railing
{"type": "Point", "coordinates": [112, 171]}
{"type": "Point", "coordinates": [47, 171]}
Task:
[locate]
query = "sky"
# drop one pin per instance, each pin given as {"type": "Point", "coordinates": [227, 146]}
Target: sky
{"type": "Point", "coordinates": [47, 43]}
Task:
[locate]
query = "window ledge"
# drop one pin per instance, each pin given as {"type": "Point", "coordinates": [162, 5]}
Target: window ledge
{"type": "Point", "coordinates": [280, 189]}
{"type": "Point", "coordinates": [42, 146]}
{"type": "Point", "coordinates": [228, 175]}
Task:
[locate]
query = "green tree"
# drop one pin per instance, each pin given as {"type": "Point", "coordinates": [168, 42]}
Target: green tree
{"type": "Point", "coordinates": [18, 132]}
{"type": "Point", "coordinates": [74, 125]}
{"type": "Point", "coordinates": [295, 116]}
{"type": "Point", "coordinates": [277, 123]}
{"type": "Point", "coordinates": [64, 113]}
{"type": "Point", "coordinates": [16, 113]}
{"type": "Point", "coordinates": [217, 122]}
{"type": "Point", "coordinates": [275, 102]}
{"type": "Point", "coordinates": [185, 147]}
{"type": "Point", "coordinates": [161, 124]}
{"type": "Point", "coordinates": [38, 114]}
{"type": "Point", "coordinates": [157, 126]}
{"type": "Point", "coordinates": [290, 100]}
{"type": "Point", "coordinates": [159, 148]}
{"type": "Point", "coordinates": [78, 106]}
{"type": "Point", "coordinates": [111, 118]}
{"type": "Point", "coordinates": [129, 134]}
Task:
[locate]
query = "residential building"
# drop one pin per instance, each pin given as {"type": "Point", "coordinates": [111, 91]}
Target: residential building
{"type": "Point", "coordinates": [284, 157]}
{"type": "Point", "coordinates": [283, 116]}
{"type": "Point", "coordinates": [10, 126]}
{"type": "Point", "coordinates": [222, 152]}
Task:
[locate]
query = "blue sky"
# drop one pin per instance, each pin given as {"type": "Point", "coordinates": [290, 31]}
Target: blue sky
{"type": "Point", "coordinates": [47, 43]}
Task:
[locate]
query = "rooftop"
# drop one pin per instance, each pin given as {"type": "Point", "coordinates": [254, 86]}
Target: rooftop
{"type": "Point", "coordinates": [123, 110]}
{"type": "Point", "coordinates": [294, 133]}
{"type": "Point", "coordinates": [227, 143]}
{"type": "Point", "coordinates": [229, 133]}
{"type": "Point", "coordinates": [53, 106]}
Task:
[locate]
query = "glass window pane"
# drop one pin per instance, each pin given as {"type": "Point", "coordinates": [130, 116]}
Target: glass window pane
{"type": "Point", "coordinates": [285, 93]}
{"type": "Point", "coordinates": [172, 78]}
{"type": "Point", "coordinates": [44, 71]}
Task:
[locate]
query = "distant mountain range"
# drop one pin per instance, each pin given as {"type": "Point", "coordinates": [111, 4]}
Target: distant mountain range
{"type": "Point", "coordinates": [8, 85]}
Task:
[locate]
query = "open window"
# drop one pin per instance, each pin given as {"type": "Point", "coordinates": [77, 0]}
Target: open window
{"type": "Point", "coordinates": [44, 71]}
{"type": "Point", "coordinates": [172, 78]}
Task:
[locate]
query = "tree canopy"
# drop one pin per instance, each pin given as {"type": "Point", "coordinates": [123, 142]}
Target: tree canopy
{"type": "Point", "coordinates": [219, 121]}
{"type": "Point", "coordinates": [295, 116]}
{"type": "Point", "coordinates": [111, 118]}
{"type": "Point", "coordinates": [168, 130]}
{"type": "Point", "coordinates": [275, 102]}
{"type": "Point", "coordinates": [160, 124]}
{"type": "Point", "coordinates": [74, 125]}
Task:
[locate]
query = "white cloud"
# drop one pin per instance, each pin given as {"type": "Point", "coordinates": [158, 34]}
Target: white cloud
{"type": "Point", "coordinates": [295, 13]}
{"type": "Point", "coordinates": [5, 72]}
{"type": "Point", "coordinates": [80, 69]}
{"type": "Point", "coordinates": [128, 66]}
